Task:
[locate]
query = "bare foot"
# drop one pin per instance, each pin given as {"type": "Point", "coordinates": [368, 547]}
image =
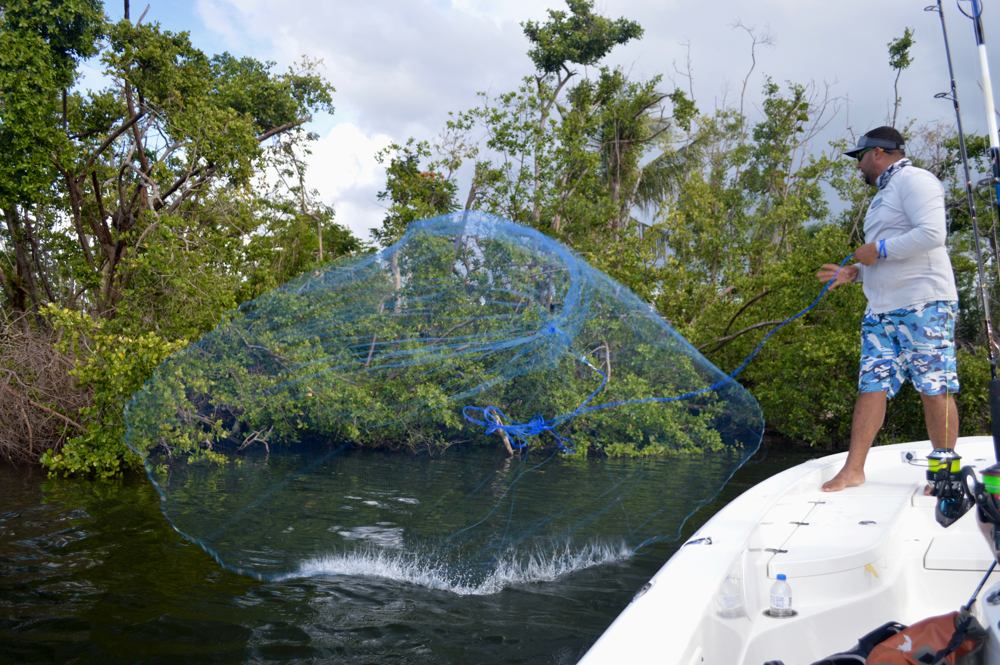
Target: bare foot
{"type": "Point", "coordinates": [843, 480]}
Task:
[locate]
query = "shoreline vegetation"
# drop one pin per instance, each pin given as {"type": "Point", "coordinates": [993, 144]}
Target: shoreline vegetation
{"type": "Point", "coordinates": [414, 347]}
{"type": "Point", "coordinates": [138, 216]}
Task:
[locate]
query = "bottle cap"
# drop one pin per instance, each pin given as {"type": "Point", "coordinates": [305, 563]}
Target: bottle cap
{"type": "Point", "coordinates": [781, 576]}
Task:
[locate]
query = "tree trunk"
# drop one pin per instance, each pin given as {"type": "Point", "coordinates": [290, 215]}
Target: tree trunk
{"type": "Point", "coordinates": [22, 284]}
{"type": "Point", "coordinates": [109, 287]}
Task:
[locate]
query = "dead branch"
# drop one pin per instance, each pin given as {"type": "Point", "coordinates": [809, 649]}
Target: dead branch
{"type": "Point", "coordinates": [744, 308]}
{"type": "Point", "coordinates": [38, 396]}
{"type": "Point", "coordinates": [722, 341]}
{"type": "Point", "coordinates": [503, 435]}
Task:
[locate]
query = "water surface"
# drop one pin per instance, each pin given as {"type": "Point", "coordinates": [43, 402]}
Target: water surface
{"type": "Point", "coordinates": [92, 571]}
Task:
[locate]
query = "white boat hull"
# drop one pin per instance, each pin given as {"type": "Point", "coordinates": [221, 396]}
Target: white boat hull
{"type": "Point", "coordinates": [855, 559]}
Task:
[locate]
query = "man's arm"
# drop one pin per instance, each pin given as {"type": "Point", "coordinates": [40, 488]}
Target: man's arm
{"type": "Point", "coordinates": [923, 205]}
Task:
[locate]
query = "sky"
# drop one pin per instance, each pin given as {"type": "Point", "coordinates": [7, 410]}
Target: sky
{"type": "Point", "coordinates": [399, 66]}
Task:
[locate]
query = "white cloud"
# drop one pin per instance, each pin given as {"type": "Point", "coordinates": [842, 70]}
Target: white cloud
{"type": "Point", "coordinates": [224, 20]}
{"type": "Point", "coordinates": [342, 168]}
{"type": "Point", "coordinates": [399, 67]}
{"type": "Point", "coordinates": [345, 159]}
{"type": "Point", "coordinates": [507, 13]}
{"type": "Point", "coordinates": [360, 217]}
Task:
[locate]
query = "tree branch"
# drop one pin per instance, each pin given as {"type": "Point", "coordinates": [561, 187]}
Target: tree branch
{"type": "Point", "coordinates": [744, 308]}
{"type": "Point", "coordinates": [42, 407]}
{"type": "Point", "coordinates": [111, 139]}
{"type": "Point", "coordinates": [722, 341]}
{"type": "Point", "coordinates": [281, 129]}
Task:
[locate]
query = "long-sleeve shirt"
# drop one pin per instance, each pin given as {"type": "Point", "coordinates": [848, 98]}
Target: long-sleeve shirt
{"type": "Point", "coordinates": [906, 221]}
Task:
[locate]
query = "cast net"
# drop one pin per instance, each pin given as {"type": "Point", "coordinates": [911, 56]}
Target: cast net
{"type": "Point", "coordinates": [354, 421]}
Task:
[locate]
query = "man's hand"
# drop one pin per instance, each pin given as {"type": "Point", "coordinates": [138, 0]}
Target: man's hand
{"type": "Point", "coordinates": [867, 254]}
{"type": "Point", "coordinates": [839, 275]}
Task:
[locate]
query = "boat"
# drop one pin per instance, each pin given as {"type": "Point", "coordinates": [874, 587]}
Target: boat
{"type": "Point", "coordinates": [855, 560]}
{"type": "Point", "coordinates": [861, 562]}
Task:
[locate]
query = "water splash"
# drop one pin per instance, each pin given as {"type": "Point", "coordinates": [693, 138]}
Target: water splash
{"type": "Point", "coordinates": [512, 569]}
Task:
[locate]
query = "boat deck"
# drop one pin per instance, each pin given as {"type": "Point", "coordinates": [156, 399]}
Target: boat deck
{"type": "Point", "coordinates": [855, 559]}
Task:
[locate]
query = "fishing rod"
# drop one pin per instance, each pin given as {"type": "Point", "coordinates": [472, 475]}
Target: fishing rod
{"type": "Point", "coordinates": [986, 85]}
{"type": "Point", "coordinates": [991, 346]}
{"type": "Point", "coordinates": [994, 153]}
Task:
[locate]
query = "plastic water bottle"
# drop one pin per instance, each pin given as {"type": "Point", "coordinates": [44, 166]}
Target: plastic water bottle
{"type": "Point", "coordinates": [729, 600]}
{"type": "Point", "coordinates": [781, 598]}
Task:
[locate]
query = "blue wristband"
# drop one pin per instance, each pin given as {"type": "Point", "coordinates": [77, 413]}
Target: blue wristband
{"type": "Point", "coordinates": [882, 253]}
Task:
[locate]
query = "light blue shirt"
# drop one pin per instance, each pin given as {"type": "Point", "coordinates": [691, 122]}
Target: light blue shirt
{"type": "Point", "coordinates": [906, 221]}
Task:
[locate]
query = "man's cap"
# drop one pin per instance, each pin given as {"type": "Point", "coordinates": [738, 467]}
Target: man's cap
{"type": "Point", "coordinates": [880, 137]}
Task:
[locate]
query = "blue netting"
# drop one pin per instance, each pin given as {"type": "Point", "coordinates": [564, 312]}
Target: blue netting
{"type": "Point", "coordinates": [351, 420]}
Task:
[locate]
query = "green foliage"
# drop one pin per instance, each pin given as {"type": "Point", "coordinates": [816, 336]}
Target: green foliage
{"type": "Point", "coordinates": [899, 59]}
{"type": "Point", "coordinates": [373, 353]}
{"type": "Point", "coordinates": [973, 398]}
{"type": "Point", "coordinates": [141, 160]}
{"type": "Point", "coordinates": [899, 50]}
{"type": "Point", "coordinates": [740, 221]}
{"type": "Point", "coordinates": [112, 367]}
{"type": "Point", "coordinates": [40, 46]}
{"type": "Point", "coordinates": [412, 191]}
{"type": "Point", "coordinates": [580, 37]}
{"type": "Point", "coordinates": [684, 109]}
{"type": "Point", "coordinates": [135, 215]}
{"type": "Point", "coordinates": [288, 241]}
{"type": "Point", "coordinates": [806, 376]}
{"type": "Point", "coordinates": [179, 286]}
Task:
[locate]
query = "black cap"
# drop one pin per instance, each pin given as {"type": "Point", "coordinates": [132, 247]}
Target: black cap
{"type": "Point", "coordinates": [880, 137]}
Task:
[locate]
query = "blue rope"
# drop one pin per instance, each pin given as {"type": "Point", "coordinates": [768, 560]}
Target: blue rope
{"type": "Point", "coordinates": [493, 419]}
{"type": "Point", "coordinates": [517, 433]}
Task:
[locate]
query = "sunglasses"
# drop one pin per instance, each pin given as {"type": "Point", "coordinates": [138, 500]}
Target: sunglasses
{"type": "Point", "coordinates": [861, 154]}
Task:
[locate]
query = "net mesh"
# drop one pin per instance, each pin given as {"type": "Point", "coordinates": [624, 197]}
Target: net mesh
{"type": "Point", "coordinates": [354, 419]}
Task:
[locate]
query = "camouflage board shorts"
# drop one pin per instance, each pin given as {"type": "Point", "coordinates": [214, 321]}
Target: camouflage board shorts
{"type": "Point", "coordinates": [915, 343]}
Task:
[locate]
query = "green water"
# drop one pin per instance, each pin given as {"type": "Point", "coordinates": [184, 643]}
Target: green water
{"type": "Point", "coordinates": [93, 572]}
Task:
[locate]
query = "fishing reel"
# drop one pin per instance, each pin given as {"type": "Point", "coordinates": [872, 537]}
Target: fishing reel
{"type": "Point", "coordinates": [958, 489]}
{"type": "Point", "coordinates": [987, 498]}
{"type": "Point", "coordinates": [947, 481]}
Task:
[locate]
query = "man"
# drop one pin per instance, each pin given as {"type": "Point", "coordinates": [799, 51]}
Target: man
{"type": "Point", "coordinates": [909, 325]}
